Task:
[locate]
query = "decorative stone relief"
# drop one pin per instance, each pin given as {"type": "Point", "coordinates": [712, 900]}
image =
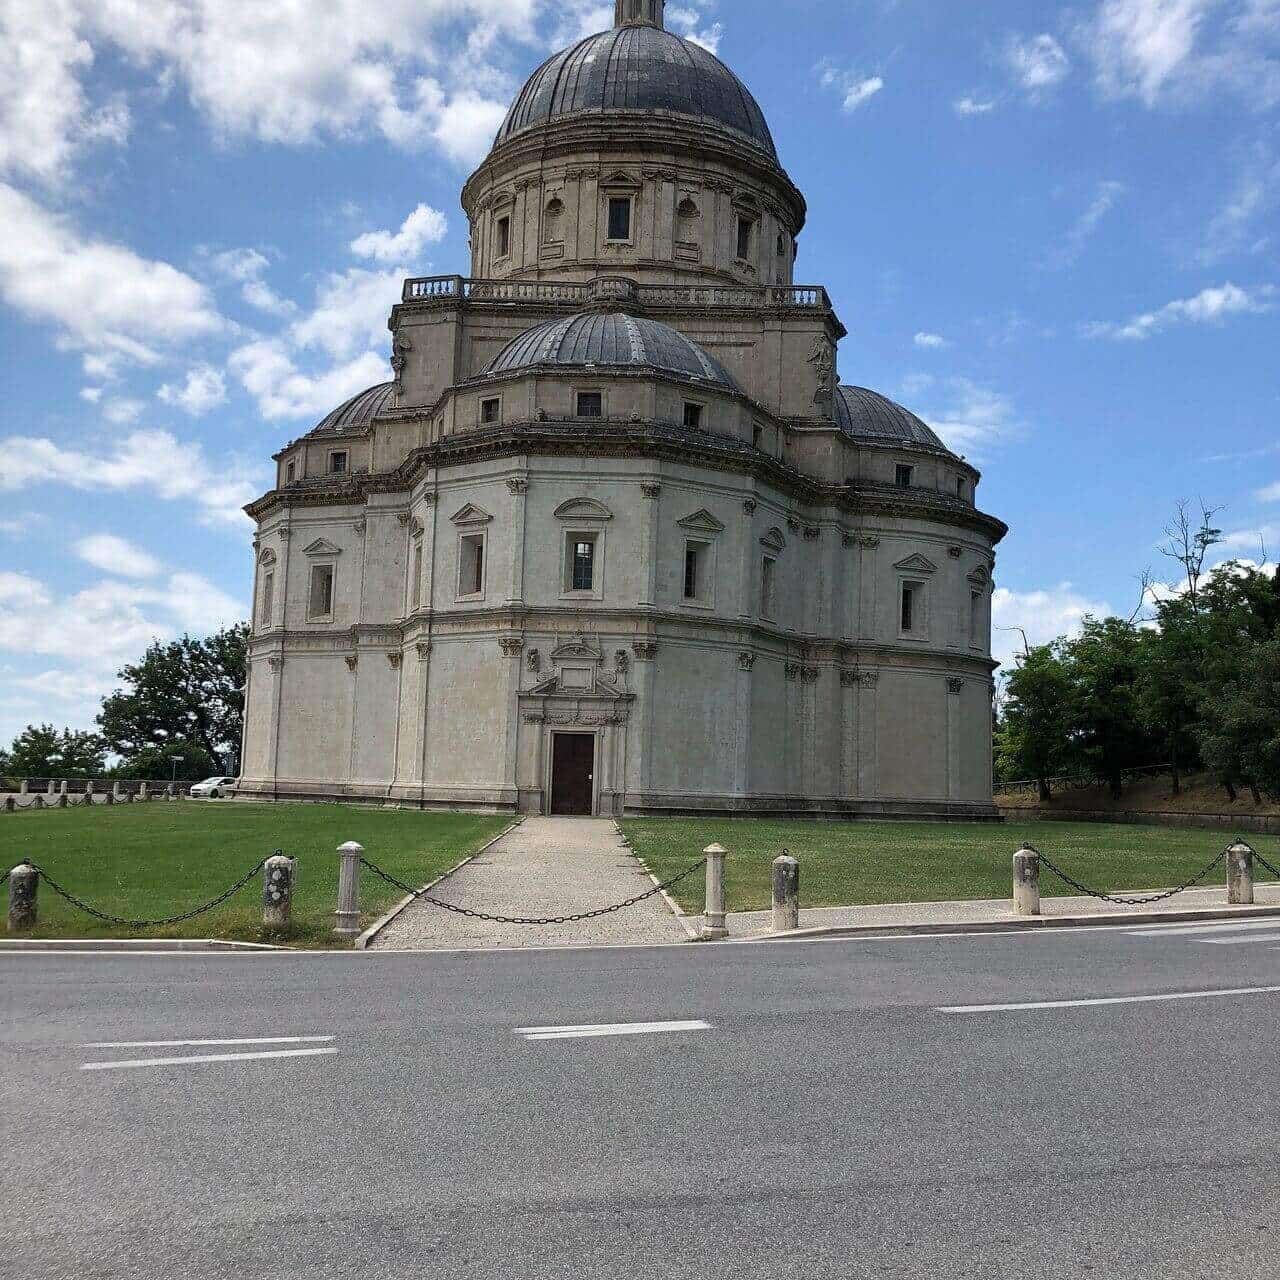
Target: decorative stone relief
{"type": "Point", "coordinates": [848, 540]}
{"type": "Point", "coordinates": [823, 359]}
{"type": "Point", "coordinates": [793, 523]}
{"type": "Point", "coordinates": [645, 650]}
{"type": "Point", "coordinates": [424, 650]}
{"type": "Point", "coordinates": [359, 527]}
{"type": "Point", "coordinates": [518, 487]}
{"type": "Point", "coordinates": [849, 679]}
{"type": "Point", "coordinates": [746, 660]}
{"type": "Point", "coordinates": [869, 541]}
{"type": "Point", "coordinates": [535, 661]}
{"type": "Point", "coordinates": [622, 662]}
{"type": "Point", "coordinates": [955, 685]}
{"type": "Point", "coordinates": [275, 663]}
{"type": "Point", "coordinates": [810, 674]}
{"type": "Point", "coordinates": [869, 679]}
{"type": "Point", "coordinates": [955, 552]}
{"type": "Point", "coordinates": [812, 534]}
{"type": "Point", "coordinates": [512, 646]}
{"type": "Point", "coordinates": [402, 518]}
{"type": "Point", "coordinates": [395, 659]}
{"type": "Point", "coordinates": [352, 660]}
{"type": "Point", "coordinates": [399, 360]}
{"type": "Point", "coordinates": [651, 491]}
{"type": "Point", "coordinates": [792, 670]}
{"type": "Point", "coordinates": [749, 506]}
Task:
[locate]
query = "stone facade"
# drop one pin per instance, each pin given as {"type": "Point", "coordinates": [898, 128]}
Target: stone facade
{"type": "Point", "coordinates": [596, 566]}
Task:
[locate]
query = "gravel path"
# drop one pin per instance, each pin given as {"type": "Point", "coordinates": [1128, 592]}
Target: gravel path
{"type": "Point", "coordinates": [545, 867]}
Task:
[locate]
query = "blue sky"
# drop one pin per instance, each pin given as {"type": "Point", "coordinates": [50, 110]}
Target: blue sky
{"type": "Point", "coordinates": [1051, 230]}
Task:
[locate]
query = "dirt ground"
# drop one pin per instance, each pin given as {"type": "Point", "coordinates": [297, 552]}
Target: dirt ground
{"type": "Point", "coordinates": [1200, 794]}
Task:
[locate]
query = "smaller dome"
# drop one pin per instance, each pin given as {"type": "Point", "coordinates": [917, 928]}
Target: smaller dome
{"type": "Point", "coordinates": [359, 411]}
{"type": "Point", "coordinates": [867, 415]}
{"type": "Point", "coordinates": [610, 342]}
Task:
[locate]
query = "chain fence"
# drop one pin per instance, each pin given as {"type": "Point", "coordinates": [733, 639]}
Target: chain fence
{"type": "Point", "coordinates": [1257, 857]}
{"type": "Point", "coordinates": [1120, 900]}
{"type": "Point", "coordinates": [108, 918]}
{"type": "Point", "coordinates": [422, 896]}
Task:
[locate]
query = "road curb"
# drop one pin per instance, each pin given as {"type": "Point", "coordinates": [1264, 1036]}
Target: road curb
{"type": "Point", "coordinates": [1029, 924]}
{"type": "Point", "coordinates": [133, 944]}
{"type": "Point", "coordinates": [363, 941]}
{"type": "Point", "coordinates": [691, 931]}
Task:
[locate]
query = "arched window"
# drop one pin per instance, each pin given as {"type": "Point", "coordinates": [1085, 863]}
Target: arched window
{"type": "Point", "coordinates": [553, 221]}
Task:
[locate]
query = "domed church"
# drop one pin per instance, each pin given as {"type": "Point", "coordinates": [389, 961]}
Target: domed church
{"type": "Point", "coordinates": [614, 539]}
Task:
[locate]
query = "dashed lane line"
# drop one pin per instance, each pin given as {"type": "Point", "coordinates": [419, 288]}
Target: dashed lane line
{"type": "Point", "coordinates": [592, 1030]}
{"type": "Point", "coordinates": [200, 1044]}
{"type": "Point", "coordinates": [132, 1063]}
{"type": "Point", "coordinates": [1107, 1000]}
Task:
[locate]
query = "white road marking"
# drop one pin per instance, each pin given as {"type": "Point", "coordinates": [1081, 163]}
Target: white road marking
{"type": "Point", "coordinates": [1084, 1004]}
{"type": "Point", "coordinates": [1236, 942]}
{"type": "Point", "coordinates": [207, 1057]}
{"type": "Point", "coordinates": [185, 1044]}
{"type": "Point", "coordinates": [591, 1030]}
{"type": "Point", "coordinates": [1177, 930]}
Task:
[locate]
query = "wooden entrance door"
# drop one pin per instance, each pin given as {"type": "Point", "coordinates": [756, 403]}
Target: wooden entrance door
{"type": "Point", "coordinates": [573, 763]}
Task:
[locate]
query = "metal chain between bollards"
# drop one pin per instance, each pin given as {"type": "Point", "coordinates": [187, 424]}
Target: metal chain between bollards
{"type": "Point", "coordinates": [149, 924]}
{"type": "Point", "coordinates": [1122, 901]}
{"type": "Point", "coordinates": [1257, 857]}
{"type": "Point", "coordinates": [422, 896]}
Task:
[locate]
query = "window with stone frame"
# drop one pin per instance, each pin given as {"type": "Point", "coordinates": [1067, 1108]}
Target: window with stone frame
{"type": "Point", "coordinates": [290, 472]}
{"type": "Point", "coordinates": [581, 567]}
{"type": "Point", "coordinates": [415, 587]}
{"type": "Point", "coordinates": [912, 619]}
{"type": "Point", "coordinates": [692, 415]}
{"type": "Point", "coordinates": [975, 619]}
{"type": "Point", "coordinates": [266, 600]}
{"type": "Point", "coordinates": [768, 583]}
{"type": "Point", "coordinates": [746, 237]}
{"type": "Point", "coordinates": [339, 460]}
{"type": "Point", "coordinates": [904, 475]}
{"type": "Point", "coordinates": [491, 410]}
{"type": "Point", "coordinates": [321, 597]}
{"type": "Point", "coordinates": [698, 579]}
{"type": "Point", "coordinates": [502, 237]}
{"type": "Point", "coordinates": [589, 404]}
{"type": "Point", "coordinates": [619, 225]}
{"type": "Point", "coordinates": [471, 565]}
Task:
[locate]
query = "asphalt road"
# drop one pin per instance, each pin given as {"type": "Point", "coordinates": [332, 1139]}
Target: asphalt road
{"type": "Point", "coordinates": [828, 1121]}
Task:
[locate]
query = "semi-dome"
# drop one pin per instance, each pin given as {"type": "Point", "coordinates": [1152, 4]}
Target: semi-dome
{"type": "Point", "coordinates": [610, 342]}
{"type": "Point", "coordinates": [358, 412]}
{"type": "Point", "coordinates": [638, 68]}
{"type": "Point", "coordinates": [867, 415]}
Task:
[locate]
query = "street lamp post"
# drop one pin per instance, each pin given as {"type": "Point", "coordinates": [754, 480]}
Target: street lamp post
{"type": "Point", "coordinates": [176, 761]}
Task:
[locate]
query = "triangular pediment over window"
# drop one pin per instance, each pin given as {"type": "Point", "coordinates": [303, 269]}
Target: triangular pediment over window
{"type": "Point", "coordinates": [916, 564]}
{"type": "Point", "coordinates": [583, 509]}
{"type": "Point", "coordinates": [980, 577]}
{"type": "Point", "coordinates": [579, 647]}
{"type": "Point", "coordinates": [702, 521]}
{"type": "Point", "coordinates": [471, 514]}
{"type": "Point", "coordinates": [322, 547]}
{"type": "Point", "coordinates": [773, 540]}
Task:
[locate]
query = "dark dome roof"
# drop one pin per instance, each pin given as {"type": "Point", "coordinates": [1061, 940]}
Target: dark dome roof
{"type": "Point", "coordinates": [610, 342]}
{"type": "Point", "coordinates": [867, 415]}
{"type": "Point", "coordinates": [638, 68]}
{"type": "Point", "coordinates": [359, 411]}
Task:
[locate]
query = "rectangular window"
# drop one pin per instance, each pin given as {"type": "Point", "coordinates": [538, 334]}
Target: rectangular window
{"type": "Point", "coordinates": [267, 600]}
{"type": "Point", "coordinates": [415, 593]}
{"type": "Point", "coordinates": [490, 410]}
{"type": "Point", "coordinates": [905, 476]}
{"type": "Point", "coordinates": [768, 567]}
{"type": "Point", "coordinates": [504, 237]}
{"type": "Point", "coordinates": [471, 565]}
{"type": "Point", "coordinates": [582, 563]}
{"type": "Point", "coordinates": [975, 617]}
{"type": "Point", "coordinates": [757, 435]}
{"type": "Point", "coordinates": [960, 493]}
{"type": "Point", "coordinates": [590, 404]}
{"type": "Point", "coordinates": [620, 218]}
{"type": "Point", "coordinates": [290, 473]}
{"type": "Point", "coordinates": [692, 416]}
{"type": "Point", "coordinates": [321, 601]}
{"type": "Point", "coordinates": [746, 229]}
{"type": "Point", "coordinates": [338, 463]}
{"type": "Point", "coordinates": [909, 609]}
{"type": "Point", "coordinates": [695, 570]}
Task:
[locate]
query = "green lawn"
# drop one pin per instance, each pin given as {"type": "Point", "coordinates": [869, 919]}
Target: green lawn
{"type": "Point", "coordinates": [850, 864]}
{"type": "Point", "coordinates": [160, 859]}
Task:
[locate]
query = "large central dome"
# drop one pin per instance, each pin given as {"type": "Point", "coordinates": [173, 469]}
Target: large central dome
{"type": "Point", "coordinates": [638, 68]}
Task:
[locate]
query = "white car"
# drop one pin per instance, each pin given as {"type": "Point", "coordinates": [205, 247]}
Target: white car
{"type": "Point", "coordinates": [212, 788]}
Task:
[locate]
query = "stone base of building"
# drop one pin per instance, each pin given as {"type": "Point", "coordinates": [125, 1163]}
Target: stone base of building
{"type": "Point", "coordinates": [613, 805]}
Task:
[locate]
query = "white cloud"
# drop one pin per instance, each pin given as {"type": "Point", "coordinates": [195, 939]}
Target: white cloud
{"type": "Point", "coordinates": [105, 299]}
{"type": "Point", "coordinates": [204, 389]}
{"type": "Point", "coordinates": [931, 341]}
{"type": "Point", "coordinates": [1073, 244]}
{"type": "Point", "coordinates": [45, 116]}
{"type": "Point", "coordinates": [855, 90]}
{"type": "Point", "coordinates": [1138, 45]}
{"type": "Point", "coordinates": [91, 395]}
{"type": "Point", "coordinates": [351, 312]}
{"type": "Point", "coordinates": [422, 227]}
{"type": "Point", "coordinates": [122, 412]}
{"type": "Point", "coordinates": [970, 418]}
{"type": "Point", "coordinates": [116, 555]}
{"type": "Point", "coordinates": [974, 106]}
{"type": "Point", "coordinates": [151, 461]}
{"type": "Point", "coordinates": [1036, 63]}
{"type": "Point", "coordinates": [1270, 494]}
{"type": "Point", "coordinates": [1267, 535]}
{"type": "Point", "coordinates": [1233, 229]}
{"type": "Point", "coordinates": [246, 267]}
{"type": "Point", "coordinates": [1210, 306]}
{"type": "Point", "coordinates": [687, 21]}
{"type": "Point", "coordinates": [282, 390]}
{"type": "Point", "coordinates": [465, 126]}
{"type": "Point", "coordinates": [1044, 615]}
{"type": "Point", "coordinates": [12, 528]}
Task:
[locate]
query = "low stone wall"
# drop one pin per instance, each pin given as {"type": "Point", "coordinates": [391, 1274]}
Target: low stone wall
{"type": "Point", "coordinates": [1255, 824]}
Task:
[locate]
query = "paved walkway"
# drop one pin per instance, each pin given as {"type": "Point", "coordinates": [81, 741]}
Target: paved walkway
{"type": "Point", "coordinates": [746, 924]}
{"type": "Point", "coordinates": [545, 867]}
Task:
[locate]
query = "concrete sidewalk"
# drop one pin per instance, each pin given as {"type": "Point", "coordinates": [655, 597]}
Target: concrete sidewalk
{"type": "Point", "coordinates": [998, 913]}
{"type": "Point", "coordinates": [544, 867]}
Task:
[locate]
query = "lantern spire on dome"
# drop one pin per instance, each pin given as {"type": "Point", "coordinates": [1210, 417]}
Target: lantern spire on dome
{"type": "Point", "coordinates": [631, 12]}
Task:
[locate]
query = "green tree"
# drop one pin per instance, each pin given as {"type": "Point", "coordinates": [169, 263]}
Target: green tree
{"type": "Point", "coordinates": [41, 751]}
{"type": "Point", "coordinates": [1032, 739]}
{"type": "Point", "coordinates": [185, 691]}
{"type": "Point", "coordinates": [176, 761]}
{"type": "Point", "coordinates": [1171, 674]}
{"type": "Point", "coordinates": [1243, 737]}
{"type": "Point", "coordinates": [1104, 720]}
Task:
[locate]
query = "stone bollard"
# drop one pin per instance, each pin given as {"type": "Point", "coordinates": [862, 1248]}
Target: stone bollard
{"type": "Point", "coordinates": [88, 793]}
{"type": "Point", "coordinates": [24, 879]}
{"type": "Point", "coordinates": [62, 788]}
{"type": "Point", "coordinates": [169, 790]}
{"type": "Point", "coordinates": [1026, 882]}
{"type": "Point", "coordinates": [278, 877]}
{"type": "Point", "coordinates": [116, 794]}
{"type": "Point", "coordinates": [22, 787]}
{"type": "Point", "coordinates": [714, 928]}
{"type": "Point", "coordinates": [50, 789]}
{"type": "Point", "coordinates": [10, 804]}
{"type": "Point", "coordinates": [1240, 875]}
{"type": "Point", "coordinates": [786, 894]}
{"type": "Point", "coordinates": [348, 913]}
{"type": "Point", "coordinates": [63, 800]}
{"type": "Point", "coordinates": [144, 791]}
